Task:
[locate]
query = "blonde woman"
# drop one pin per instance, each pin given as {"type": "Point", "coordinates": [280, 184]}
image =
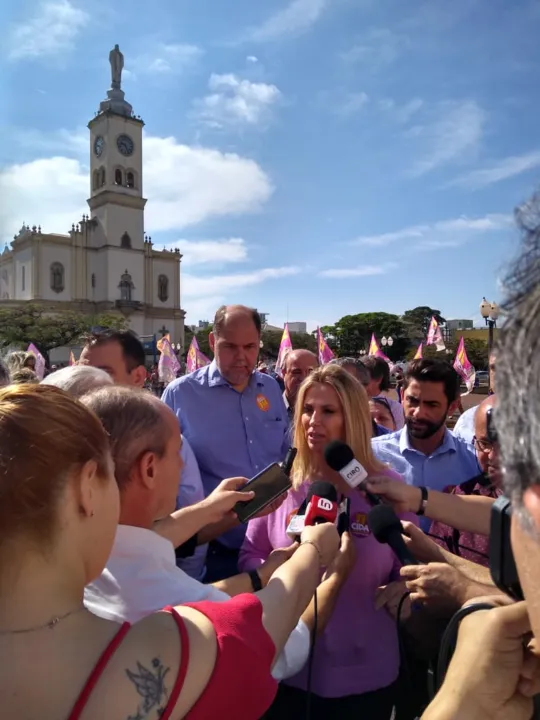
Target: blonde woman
{"type": "Point", "coordinates": [356, 660]}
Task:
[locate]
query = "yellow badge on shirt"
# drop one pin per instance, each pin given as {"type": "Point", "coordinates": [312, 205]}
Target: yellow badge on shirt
{"type": "Point", "coordinates": [262, 403]}
{"type": "Point", "coordinates": [359, 525]}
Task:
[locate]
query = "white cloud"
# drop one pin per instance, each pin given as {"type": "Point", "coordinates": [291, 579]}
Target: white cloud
{"type": "Point", "coordinates": [222, 285]}
{"type": "Point", "coordinates": [211, 252]}
{"type": "Point", "coordinates": [360, 271]}
{"type": "Point", "coordinates": [401, 113]}
{"type": "Point", "coordinates": [252, 59]}
{"type": "Point", "coordinates": [352, 104]}
{"type": "Point", "coordinates": [454, 132]}
{"type": "Point", "coordinates": [51, 31]}
{"type": "Point", "coordinates": [233, 100]}
{"type": "Point", "coordinates": [379, 48]}
{"type": "Point", "coordinates": [503, 170]}
{"type": "Point", "coordinates": [445, 233]}
{"type": "Point", "coordinates": [296, 17]}
{"type": "Point", "coordinates": [166, 59]}
{"type": "Point", "coordinates": [185, 186]}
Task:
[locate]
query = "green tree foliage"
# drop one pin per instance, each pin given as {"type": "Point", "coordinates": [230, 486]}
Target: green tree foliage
{"type": "Point", "coordinates": [476, 352]}
{"type": "Point", "coordinates": [416, 322]}
{"type": "Point", "coordinates": [20, 326]}
{"type": "Point", "coordinates": [271, 341]}
{"type": "Point", "coordinates": [352, 333]}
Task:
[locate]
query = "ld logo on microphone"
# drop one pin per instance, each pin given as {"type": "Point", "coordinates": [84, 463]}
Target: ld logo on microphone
{"type": "Point", "coordinates": [324, 504]}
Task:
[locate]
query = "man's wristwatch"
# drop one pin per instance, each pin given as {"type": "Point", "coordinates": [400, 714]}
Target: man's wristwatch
{"type": "Point", "coordinates": [423, 502]}
{"type": "Point", "coordinates": [256, 582]}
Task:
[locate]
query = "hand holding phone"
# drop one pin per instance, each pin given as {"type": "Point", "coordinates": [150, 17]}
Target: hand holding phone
{"type": "Point", "coordinates": [267, 486]}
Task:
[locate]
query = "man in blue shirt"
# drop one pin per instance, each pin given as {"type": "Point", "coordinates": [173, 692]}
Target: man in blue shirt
{"type": "Point", "coordinates": [425, 452]}
{"type": "Point", "coordinates": [233, 417]}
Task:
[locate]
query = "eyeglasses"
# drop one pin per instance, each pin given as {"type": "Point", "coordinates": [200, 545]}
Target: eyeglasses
{"type": "Point", "coordinates": [484, 445]}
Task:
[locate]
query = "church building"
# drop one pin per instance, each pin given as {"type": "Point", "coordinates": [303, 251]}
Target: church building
{"type": "Point", "coordinates": [106, 262]}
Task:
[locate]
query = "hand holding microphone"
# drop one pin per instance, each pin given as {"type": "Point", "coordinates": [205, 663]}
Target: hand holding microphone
{"type": "Point", "coordinates": [340, 457]}
{"type": "Point", "coordinates": [324, 537]}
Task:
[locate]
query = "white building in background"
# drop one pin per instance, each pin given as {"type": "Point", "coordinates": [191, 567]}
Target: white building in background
{"type": "Point", "coordinates": [106, 262]}
{"type": "Point", "coordinates": [298, 327]}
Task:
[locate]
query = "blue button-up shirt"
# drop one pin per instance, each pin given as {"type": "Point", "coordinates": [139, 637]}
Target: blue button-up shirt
{"type": "Point", "coordinates": [452, 463]}
{"type": "Point", "coordinates": [190, 492]}
{"type": "Point", "coordinates": [232, 434]}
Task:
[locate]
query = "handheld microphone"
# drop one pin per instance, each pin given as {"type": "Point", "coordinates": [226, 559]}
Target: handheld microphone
{"type": "Point", "coordinates": [386, 528]}
{"type": "Point", "coordinates": [319, 492]}
{"type": "Point", "coordinates": [322, 505]}
{"type": "Point", "coordinates": [287, 464]}
{"type": "Point", "coordinates": [340, 457]}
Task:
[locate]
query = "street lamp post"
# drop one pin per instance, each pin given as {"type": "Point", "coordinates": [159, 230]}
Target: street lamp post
{"type": "Point", "coordinates": [490, 312]}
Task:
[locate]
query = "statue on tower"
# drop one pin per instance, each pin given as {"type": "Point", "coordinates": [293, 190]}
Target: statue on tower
{"type": "Point", "coordinates": [116, 60]}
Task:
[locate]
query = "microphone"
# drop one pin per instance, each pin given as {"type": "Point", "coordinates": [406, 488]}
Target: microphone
{"type": "Point", "coordinates": [386, 528]}
{"type": "Point", "coordinates": [320, 505]}
{"type": "Point", "coordinates": [287, 464]}
{"type": "Point", "coordinates": [340, 457]}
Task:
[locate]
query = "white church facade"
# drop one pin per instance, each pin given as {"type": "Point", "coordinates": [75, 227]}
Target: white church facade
{"type": "Point", "coordinates": [106, 262]}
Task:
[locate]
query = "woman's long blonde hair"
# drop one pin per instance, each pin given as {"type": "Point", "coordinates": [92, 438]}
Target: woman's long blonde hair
{"type": "Point", "coordinates": [356, 415]}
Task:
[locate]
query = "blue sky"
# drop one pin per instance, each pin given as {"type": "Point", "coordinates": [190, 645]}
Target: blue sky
{"type": "Point", "coordinates": [313, 158]}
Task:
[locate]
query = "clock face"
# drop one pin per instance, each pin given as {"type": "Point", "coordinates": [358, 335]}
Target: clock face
{"type": "Point", "coordinates": [125, 145]}
{"type": "Point", "coordinates": [99, 144]}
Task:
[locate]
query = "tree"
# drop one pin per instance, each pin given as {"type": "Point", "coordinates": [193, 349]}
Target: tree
{"type": "Point", "coordinates": [477, 352]}
{"type": "Point", "coordinates": [271, 340]}
{"type": "Point", "coordinates": [352, 333]}
{"type": "Point", "coordinates": [416, 321]}
{"type": "Point", "coordinates": [31, 323]}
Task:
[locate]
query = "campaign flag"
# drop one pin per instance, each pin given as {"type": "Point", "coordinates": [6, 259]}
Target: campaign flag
{"type": "Point", "coordinates": [376, 351]}
{"type": "Point", "coordinates": [434, 336]}
{"type": "Point", "coordinates": [168, 364]}
{"type": "Point", "coordinates": [40, 361]}
{"type": "Point", "coordinates": [72, 360]}
{"type": "Point", "coordinates": [285, 348]}
{"type": "Point", "coordinates": [419, 354]}
{"type": "Point", "coordinates": [195, 358]}
{"type": "Point", "coordinates": [325, 354]}
{"type": "Point", "coordinates": [464, 368]}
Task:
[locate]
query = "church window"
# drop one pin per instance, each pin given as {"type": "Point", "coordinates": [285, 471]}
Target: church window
{"type": "Point", "coordinates": [101, 181]}
{"type": "Point", "coordinates": [95, 180]}
{"type": "Point", "coordinates": [126, 286]}
{"type": "Point", "coordinates": [118, 177]}
{"type": "Point", "coordinates": [23, 278]}
{"type": "Point", "coordinates": [163, 288]}
{"type": "Point", "coordinates": [93, 280]}
{"type": "Point", "coordinates": [57, 277]}
{"type": "Point", "coordinates": [130, 180]}
{"type": "Point", "coordinates": [125, 241]}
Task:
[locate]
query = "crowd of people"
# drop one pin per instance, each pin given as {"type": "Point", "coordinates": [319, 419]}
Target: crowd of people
{"type": "Point", "coordinates": [131, 589]}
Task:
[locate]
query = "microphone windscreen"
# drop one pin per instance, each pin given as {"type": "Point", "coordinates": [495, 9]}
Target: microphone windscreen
{"type": "Point", "coordinates": [383, 523]}
{"type": "Point", "coordinates": [337, 455]}
{"type": "Point", "coordinates": [322, 489]}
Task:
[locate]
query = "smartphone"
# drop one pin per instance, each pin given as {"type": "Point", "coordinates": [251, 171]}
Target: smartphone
{"type": "Point", "coordinates": [267, 486]}
{"type": "Point", "coordinates": [501, 558]}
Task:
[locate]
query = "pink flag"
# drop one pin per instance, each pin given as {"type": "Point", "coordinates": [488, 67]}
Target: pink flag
{"type": "Point", "coordinates": [168, 364]}
{"type": "Point", "coordinates": [419, 354]}
{"type": "Point", "coordinates": [434, 336]}
{"type": "Point", "coordinates": [376, 351]}
{"type": "Point", "coordinates": [40, 361]}
{"type": "Point", "coordinates": [284, 348]}
{"type": "Point", "coordinates": [325, 354]}
{"type": "Point", "coordinates": [464, 368]}
{"type": "Point", "coordinates": [195, 358]}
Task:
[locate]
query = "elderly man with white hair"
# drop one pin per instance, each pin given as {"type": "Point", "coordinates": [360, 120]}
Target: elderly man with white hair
{"type": "Point", "coordinates": [77, 380]}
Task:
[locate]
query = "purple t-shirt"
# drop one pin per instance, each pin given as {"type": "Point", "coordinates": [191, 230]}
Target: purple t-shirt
{"type": "Point", "coordinates": [358, 651]}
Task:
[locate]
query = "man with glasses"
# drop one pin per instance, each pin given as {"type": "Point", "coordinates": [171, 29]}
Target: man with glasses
{"type": "Point", "coordinates": [297, 366]}
{"type": "Point", "coordinates": [471, 546]}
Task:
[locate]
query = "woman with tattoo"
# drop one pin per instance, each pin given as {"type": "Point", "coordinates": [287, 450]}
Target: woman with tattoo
{"type": "Point", "coordinates": [59, 507]}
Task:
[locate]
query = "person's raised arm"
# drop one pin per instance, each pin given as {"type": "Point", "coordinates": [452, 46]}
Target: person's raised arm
{"type": "Point", "coordinates": [469, 513]}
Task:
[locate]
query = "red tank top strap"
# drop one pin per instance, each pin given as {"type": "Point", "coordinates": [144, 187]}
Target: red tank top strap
{"type": "Point", "coordinates": [97, 672]}
{"type": "Point", "coordinates": [184, 662]}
